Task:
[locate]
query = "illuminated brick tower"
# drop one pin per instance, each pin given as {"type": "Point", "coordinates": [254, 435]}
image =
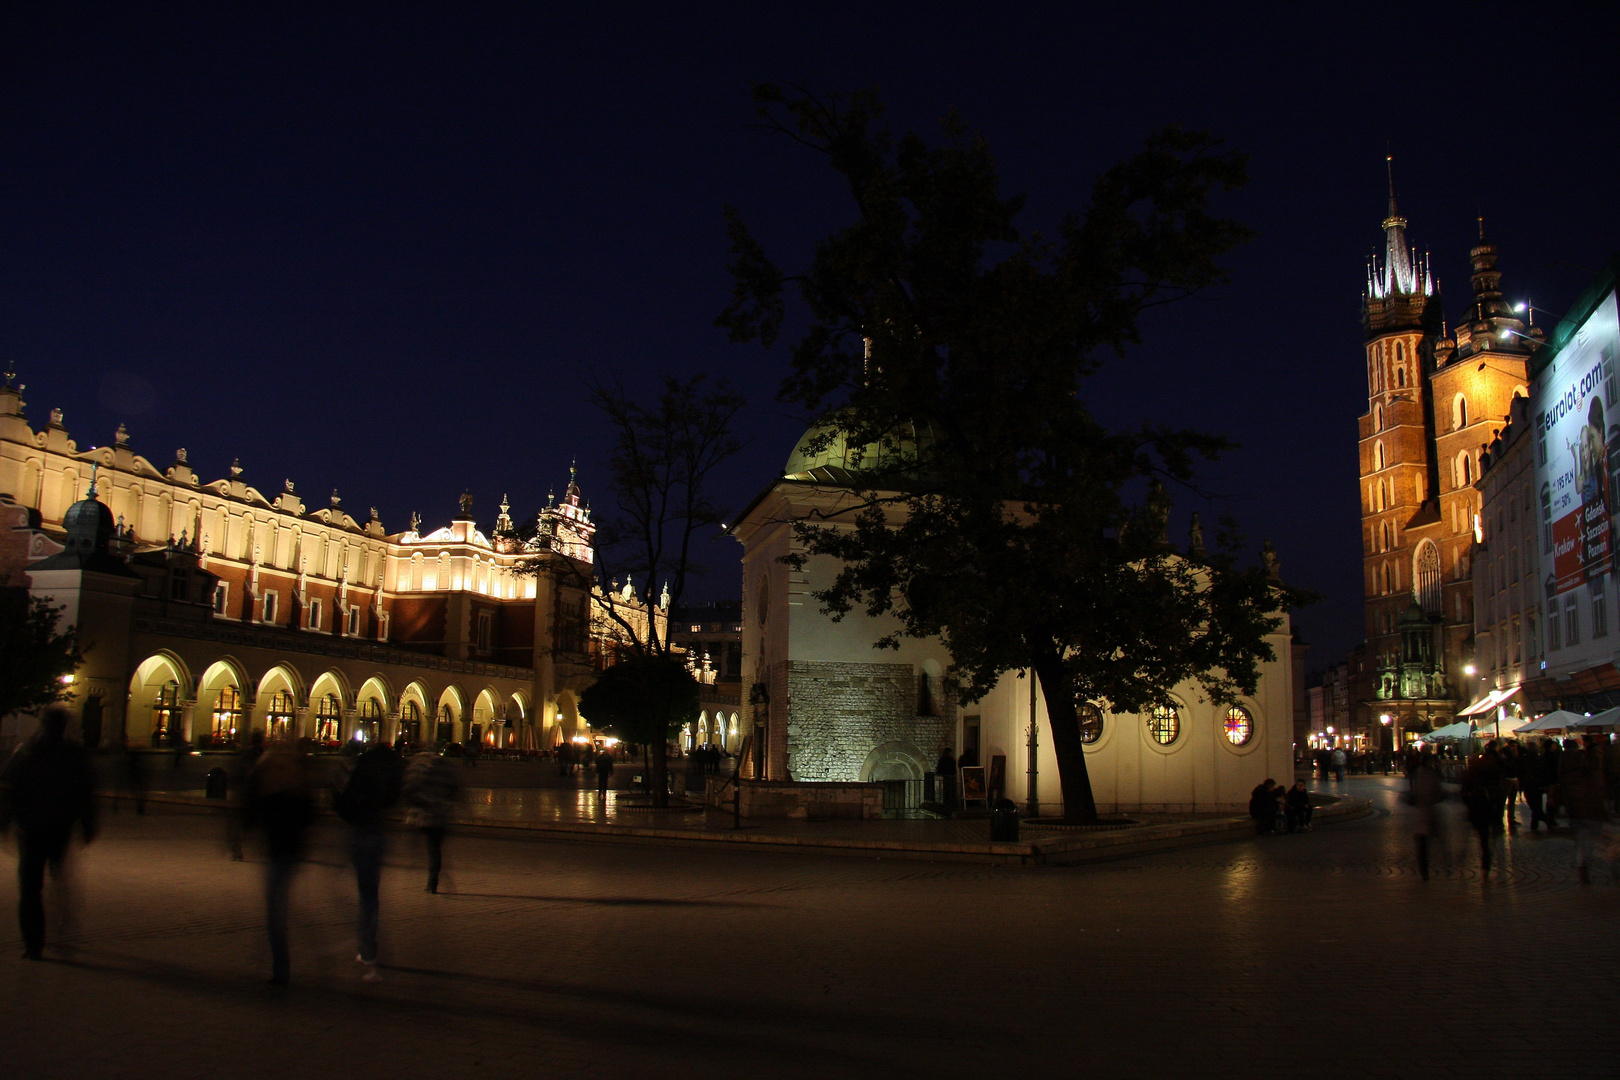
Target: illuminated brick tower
{"type": "Point", "coordinates": [1433, 404]}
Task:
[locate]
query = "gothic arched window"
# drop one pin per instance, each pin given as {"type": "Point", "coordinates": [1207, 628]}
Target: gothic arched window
{"type": "Point", "coordinates": [1459, 412]}
{"type": "Point", "coordinates": [1378, 453]}
{"type": "Point", "coordinates": [1426, 577]}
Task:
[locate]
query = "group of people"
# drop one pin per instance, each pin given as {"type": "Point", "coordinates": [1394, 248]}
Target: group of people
{"type": "Point", "coordinates": [1574, 779]}
{"type": "Point", "coordinates": [1271, 805]}
{"type": "Point", "coordinates": [47, 791]}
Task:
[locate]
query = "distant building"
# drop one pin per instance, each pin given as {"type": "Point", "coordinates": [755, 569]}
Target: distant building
{"type": "Point", "coordinates": [208, 610]}
{"type": "Point", "coordinates": [1434, 403]}
{"type": "Point", "coordinates": [711, 637]}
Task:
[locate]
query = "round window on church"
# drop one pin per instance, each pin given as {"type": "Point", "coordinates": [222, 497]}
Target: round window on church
{"type": "Point", "coordinates": [1239, 726]}
{"type": "Point", "coordinates": [1164, 724]}
{"type": "Point", "coordinates": [1091, 724]}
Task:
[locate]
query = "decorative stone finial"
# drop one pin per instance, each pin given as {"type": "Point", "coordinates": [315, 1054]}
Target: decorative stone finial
{"type": "Point", "coordinates": [236, 468]}
{"type": "Point", "coordinates": [287, 486]}
{"type": "Point", "coordinates": [121, 436]}
{"type": "Point", "coordinates": [337, 500]}
{"type": "Point", "coordinates": [56, 418]}
{"type": "Point", "coordinates": [466, 504]}
{"type": "Point", "coordinates": [416, 521]}
{"type": "Point", "coordinates": [180, 456]}
{"type": "Point", "coordinates": [1268, 558]}
{"type": "Point", "coordinates": [95, 467]}
{"type": "Point", "coordinates": [1195, 537]}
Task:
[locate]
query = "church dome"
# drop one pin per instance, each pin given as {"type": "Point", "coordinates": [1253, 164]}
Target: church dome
{"type": "Point", "coordinates": [89, 526]}
{"type": "Point", "coordinates": [823, 454]}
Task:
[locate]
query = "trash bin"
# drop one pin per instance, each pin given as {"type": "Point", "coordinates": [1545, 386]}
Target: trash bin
{"type": "Point", "coordinates": [1004, 822]}
{"type": "Point", "coordinates": [217, 782]}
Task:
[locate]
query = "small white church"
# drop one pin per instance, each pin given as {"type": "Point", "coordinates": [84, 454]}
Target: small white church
{"type": "Point", "coordinates": [828, 707]}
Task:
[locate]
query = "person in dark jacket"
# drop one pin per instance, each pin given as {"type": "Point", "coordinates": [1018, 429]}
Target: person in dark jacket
{"type": "Point", "coordinates": [430, 790]}
{"type": "Point", "coordinates": [364, 800]}
{"type": "Point", "coordinates": [1297, 807]}
{"type": "Point", "coordinates": [276, 799]}
{"type": "Point", "coordinates": [1263, 806]}
{"type": "Point", "coordinates": [1532, 785]}
{"type": "Point", "coordinates": [45, 790]}
{"type": "Point", "coordinates": [604, 771]}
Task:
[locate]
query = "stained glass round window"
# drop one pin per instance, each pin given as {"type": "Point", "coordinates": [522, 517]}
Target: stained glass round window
{"type": "Point", "coordinates": [1164, 724]}
{"type": "Point", "coordinates": [1239, 725]}
{"type": "Point", "coordinates": [1091, 724]}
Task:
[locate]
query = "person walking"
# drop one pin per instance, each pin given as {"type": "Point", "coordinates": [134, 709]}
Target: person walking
{"type": "Point", "coordinates": [367, 794]}
{"type": "Point", "coordinates": [1581, 780]}
{"type": "Point", "coordinates": [1482, 795]}
{"type": "Point", "coordinates": [45, 790]}
{"type": "Point", "coordinates": [1532, 785]}
{"type": "Point", "coordinates": [243, 764]}
{"type": "Point", "coordinates": [1423, 794]}
{"type": "Point", "coordinates": [1338, 765]}
{"type": "Point", "coordinates": [276, 798]}
{"type": "Point", "coordinates": [604, 771]}
{"type": "Point", "coordinates": [430, 791]}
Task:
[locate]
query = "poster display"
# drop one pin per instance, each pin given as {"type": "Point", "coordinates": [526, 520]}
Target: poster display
{"type": "Point", "coordinates": [1578, 409]}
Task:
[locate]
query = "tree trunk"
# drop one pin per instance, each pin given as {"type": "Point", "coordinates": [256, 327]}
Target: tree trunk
{"type": "Point", "coordinates": [660, 773]}
{"type": "Point", "coordinates": [1079, 805]}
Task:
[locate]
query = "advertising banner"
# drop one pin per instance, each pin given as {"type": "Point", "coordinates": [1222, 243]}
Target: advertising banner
{"type": "Point", "coordinates": [1577, 423]}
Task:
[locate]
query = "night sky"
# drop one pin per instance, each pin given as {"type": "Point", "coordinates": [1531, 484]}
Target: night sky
{"type": "Point", "coordinates": [382, 248]}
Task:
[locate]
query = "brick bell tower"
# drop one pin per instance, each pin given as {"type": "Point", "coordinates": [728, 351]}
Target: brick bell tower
{"type": "Point", "coordinates": [1403, 323]}
{"type": "Point", "coordinates": [1433, 404]}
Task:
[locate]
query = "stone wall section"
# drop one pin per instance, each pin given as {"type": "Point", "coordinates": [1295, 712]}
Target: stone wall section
{"type": "Point", "coordinates": [838, 712]}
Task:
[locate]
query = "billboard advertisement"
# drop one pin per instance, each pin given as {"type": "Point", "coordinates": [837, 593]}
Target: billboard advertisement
{"type": "Point", "coordinates": [1578, 451]}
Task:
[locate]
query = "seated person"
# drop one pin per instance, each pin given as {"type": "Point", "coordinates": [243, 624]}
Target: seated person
{"type": "Point", "coordinates": [1297, 806]}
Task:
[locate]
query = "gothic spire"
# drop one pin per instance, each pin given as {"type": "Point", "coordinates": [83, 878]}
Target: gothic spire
{"type": "Point", "coordinates": [1401, 272]}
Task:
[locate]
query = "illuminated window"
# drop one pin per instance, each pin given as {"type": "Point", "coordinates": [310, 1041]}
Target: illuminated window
{"type": "Point", "coordinates": [1239, 726]}
{"type": "Point", "coordinates": [227, 716]}
{"type": "Point", "coordinates": [1091, 723]}
{"type": "Point", "coordinates": [369, 722]}
{"type": "Point", "coordinates": [410, 724]}
{"type": "Point", "coordinates": [165, 711]}
{"type": "Point", "coordinates": [1164, 724]}
{"type": "Point", "coordinates": [328, 720]}
{"type": "Point", "coordinates": [278, 716]}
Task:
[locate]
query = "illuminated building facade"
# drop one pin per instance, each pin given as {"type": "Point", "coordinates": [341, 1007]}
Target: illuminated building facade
{"type": "Point", "coordinates": [1434, 403]}
{"type": "Point", "coordinates": [824, 705]}
{"type": "Point", "coordinates": [210, 610]}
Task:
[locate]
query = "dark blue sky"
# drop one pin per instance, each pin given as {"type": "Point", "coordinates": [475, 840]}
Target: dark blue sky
{"type": "Point", "coordinates": [380, 248]}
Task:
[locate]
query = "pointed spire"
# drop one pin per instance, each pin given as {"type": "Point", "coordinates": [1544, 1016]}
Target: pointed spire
{"type": "Point", "coordinates": [1403, 271]}
{"type": "Point", "coordinates": [95, 467]}
{"type": "Point", "coordinates": [1394, 214]}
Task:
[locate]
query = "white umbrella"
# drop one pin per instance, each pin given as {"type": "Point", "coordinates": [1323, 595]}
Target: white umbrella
{"type": "Point", "coordinates": [1606, 718]}
{"type": "Point", "coordinates": [1460, 730]}
{"type": "Point", "coordinates": [1558, 720]}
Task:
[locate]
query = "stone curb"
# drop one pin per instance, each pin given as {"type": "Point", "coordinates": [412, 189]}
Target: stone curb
{"type": "Point", "coordinates": [1056, 850]}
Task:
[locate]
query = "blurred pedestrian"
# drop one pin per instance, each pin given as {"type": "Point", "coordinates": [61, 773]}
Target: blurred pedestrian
{"type": "Point", "coordinates": [1338, 764]}
{"type": "Point", "coordinates": [1512, 771]}
{"type": "Point", "coordinates": [1297, 807]}
{"type": "Point", "coordinates": [1482, 795]}
{"type": "Point", "coordinates": [604, 771]}
{"type": "Point", "coordinates": [1423, 794]}
{"type": "Point", "coordinates": [242, 765]}
{"type": "Point", "coordinates": [1532, 785]}
{"type": "Point", "coordinates": [276, 798]}
{"type": "Point", "coordinates": [367, 794]}
{"type": "Point", "coordinates": [45, 789]}
{"type": "Point", "coordinates": [135, 777]}
{"type": "Point", "coordinates": [1581, 780]}
{"type": "Point", "coordinates": [1263, 806]}
{"type": "Point", "coordinates": [430, 789]}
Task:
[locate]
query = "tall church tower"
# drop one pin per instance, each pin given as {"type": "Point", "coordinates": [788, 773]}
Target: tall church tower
{"type": "Point", "coordinates": [1433, 404]}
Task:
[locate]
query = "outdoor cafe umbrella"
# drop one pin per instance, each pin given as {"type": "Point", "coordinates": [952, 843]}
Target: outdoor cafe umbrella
{"type": "Point", "coordinates": [1606, 718]}
{"type": "Point", "coordinates": [1460, 730]}
{"type": "Point", "coordinates": [1557, 720]}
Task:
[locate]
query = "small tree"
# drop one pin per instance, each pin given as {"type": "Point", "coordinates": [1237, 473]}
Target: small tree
{"type": "Point", "coordinates": [643, 699]}
{"type": "Point", "coordinates": [661, 469]}
{"type": "Point", "coordinates": [34, 654]}
{"type": "Point", "coordinates": [997, 512]}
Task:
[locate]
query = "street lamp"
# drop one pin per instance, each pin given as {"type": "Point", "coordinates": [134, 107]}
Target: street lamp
{"type": "Point", "coordinates": [1468, 669]}
{"type": "Point", "coordinates": [1507, 332]}
{"type": "Point", "coordinates": [1525, 306]}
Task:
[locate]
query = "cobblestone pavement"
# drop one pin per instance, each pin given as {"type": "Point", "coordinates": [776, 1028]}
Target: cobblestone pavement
{"type": "Point", "coordinates": [1319, 955]}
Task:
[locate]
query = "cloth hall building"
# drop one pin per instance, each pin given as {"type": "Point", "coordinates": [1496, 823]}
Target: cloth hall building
{"type": "Point", "coordinates": [208, 609]}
